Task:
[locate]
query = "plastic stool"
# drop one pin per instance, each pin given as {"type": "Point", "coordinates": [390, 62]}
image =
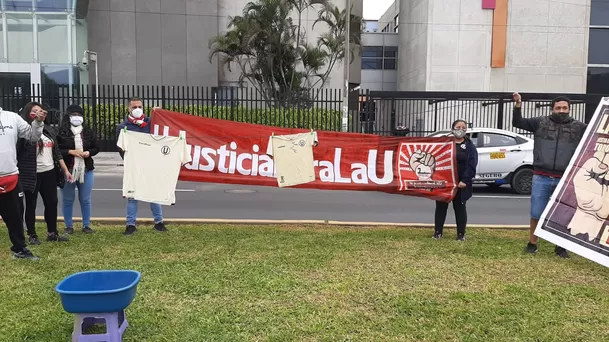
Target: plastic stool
{"type": "Point", "coordinates": [115, 322]}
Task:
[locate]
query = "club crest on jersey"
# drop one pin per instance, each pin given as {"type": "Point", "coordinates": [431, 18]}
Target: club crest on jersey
{"type": "Point", "coordinates": [165, 150]}
{"type": "Point", "coordinates": [302, 143]}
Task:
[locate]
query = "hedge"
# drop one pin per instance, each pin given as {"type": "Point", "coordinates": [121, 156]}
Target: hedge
{"type": "Point", "coordinates": [105, 118]}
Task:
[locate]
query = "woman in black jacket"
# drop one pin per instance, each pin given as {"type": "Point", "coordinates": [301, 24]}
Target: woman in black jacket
{"type": "Point", "coordinates": [78, 144]}
{"type": "Point", "coordinates": [467, 162]}
{"type": "Point", "coordinates": [41, 171]}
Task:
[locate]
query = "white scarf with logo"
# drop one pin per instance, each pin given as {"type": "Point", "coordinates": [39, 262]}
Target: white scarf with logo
{"type": "Point", "coordinates": [78, 173]}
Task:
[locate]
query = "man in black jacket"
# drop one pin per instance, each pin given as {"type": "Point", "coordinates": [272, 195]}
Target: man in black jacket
{"type": "Point", "coordinates": [556, 139]}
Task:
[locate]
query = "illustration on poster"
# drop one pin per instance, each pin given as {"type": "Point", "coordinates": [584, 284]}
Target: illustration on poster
{"type": "Point", "coordinates": [423, 164]}
{"type": "Point", "coordinates": [591, 186]}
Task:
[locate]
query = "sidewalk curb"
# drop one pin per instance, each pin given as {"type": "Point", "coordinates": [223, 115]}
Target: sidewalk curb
{"type": "Point", "coordinates": [192, 221]}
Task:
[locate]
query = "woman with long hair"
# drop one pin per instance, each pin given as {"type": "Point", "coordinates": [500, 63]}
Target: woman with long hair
{"type": "Point", "coordinates": [78, 144]}
{"type": "Point", "coordinates": [41, 171]}
{"type": "Point", "coordinates": [467, 162]}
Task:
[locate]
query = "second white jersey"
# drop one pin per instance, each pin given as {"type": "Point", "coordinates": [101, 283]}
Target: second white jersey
{"type": "Point", "coordinates": [293, 157]}
{"type": "Point", "coordinates": [152, 166]}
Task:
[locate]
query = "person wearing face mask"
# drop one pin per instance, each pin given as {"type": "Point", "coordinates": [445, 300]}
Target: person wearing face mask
{"type": "Point", "coordinates": [138, 122]}
{"type": "Point", "coordinates": [78, 144]}
{"type": "Point", "coordinates": [556, 138]}
{"type": "Point", "coordinates": [467, 162]}
{"type": "Point", "coordinates": [41, 171]}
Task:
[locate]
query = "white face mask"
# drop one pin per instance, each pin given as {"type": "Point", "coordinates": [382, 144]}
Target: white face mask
{"type": "Point", "coordinates": [137, 113]}
{"type": "Point", "coordinates": [76, 120]}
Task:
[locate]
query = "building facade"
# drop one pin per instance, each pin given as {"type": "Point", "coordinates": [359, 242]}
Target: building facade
{"type": "Point", "coordinates": [166, 42]}
{"type": "Point", "coordinates": [557, 46]}
{"type": "Point", "coordinates": [136, 42]}
{"type": "Point", "coordinates": [40, 41]}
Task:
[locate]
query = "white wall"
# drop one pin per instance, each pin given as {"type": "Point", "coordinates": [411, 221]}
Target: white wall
{"type": "Point", "coordinates": [546, 48]}
{"type": "Point", "coordinates": [459, 53]}
{"type": "Point", "coordinates": [388, 17]}
{"type": "Point", "coordinates": [413, 36]}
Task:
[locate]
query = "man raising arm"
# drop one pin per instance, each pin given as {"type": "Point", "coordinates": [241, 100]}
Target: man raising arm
{"type": "Point", "coordinates": [556, 138]}
{"type": "Point", "coordinates": [13, 127]}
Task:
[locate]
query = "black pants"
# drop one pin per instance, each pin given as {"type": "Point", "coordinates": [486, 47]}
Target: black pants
{"type": "Point", "coordinates": [11, 211]}
{"type": "Point", "coordinates": [460, 214]}
{"type": "Point", "coordinates": [46, 185]}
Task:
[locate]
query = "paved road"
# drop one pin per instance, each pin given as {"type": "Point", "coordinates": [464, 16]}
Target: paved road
{"type": "Point", "coordinates": [203, 200]}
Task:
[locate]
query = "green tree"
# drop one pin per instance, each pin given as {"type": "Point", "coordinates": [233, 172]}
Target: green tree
{"type": "Point", "coordinates": [268, 45]}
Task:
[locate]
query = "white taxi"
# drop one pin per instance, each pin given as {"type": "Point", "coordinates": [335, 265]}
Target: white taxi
{"type": "Point", "coordinates": [504, 157]}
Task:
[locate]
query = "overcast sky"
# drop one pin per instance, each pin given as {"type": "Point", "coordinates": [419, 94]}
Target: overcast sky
{"type": "Point", "coordinates": [373, 9]}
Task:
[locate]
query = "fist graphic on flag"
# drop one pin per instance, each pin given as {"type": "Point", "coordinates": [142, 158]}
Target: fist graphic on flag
{"type": "Point", "coordinates": [591, 185]}
{"type": "Point", "coordinates": [423, 164]}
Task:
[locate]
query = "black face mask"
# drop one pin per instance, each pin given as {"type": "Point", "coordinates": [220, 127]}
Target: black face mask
{"type": "Point", "coordinates": [560, 116]}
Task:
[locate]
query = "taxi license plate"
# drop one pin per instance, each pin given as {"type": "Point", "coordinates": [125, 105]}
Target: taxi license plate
{"type": "Point", "coordinates": [497, 155]}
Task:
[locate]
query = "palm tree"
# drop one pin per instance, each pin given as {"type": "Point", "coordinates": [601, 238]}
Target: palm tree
{"type": "Point", "coordinates": [271, 50]}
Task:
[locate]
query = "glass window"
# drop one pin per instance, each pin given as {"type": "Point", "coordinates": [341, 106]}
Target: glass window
{"type": "Point", "coordinates": [474, 138]}
{"type": "Point", "coordinates": [598, 81]}
{"type": "Point", "coordinates": [372, 63]}
{"type": "Point", "coordinates": [18, 5]}
{"type": "Point", "coordinates": [498, 140]}
{"type": "Point", "coordinates": [372, 51]}
{"type": "Point", "coordinates": [53, 44]}
{"type": "Point", "coordinates": [20, 33]}
{"type": "Point", "coordinates": [389, 64]}
{"type": "Point", "coordinates": [53, 5]}
{"type": "Point", "coordinates": [599, 13]}
{"type": "Point", "coordinates": [2, 59]}
{"type": "Point", "coordinates": [391, 51]}
{"type": "Point", "coordinates": [58, 73]}
{"type": "Point", "coordinates": [598, 52]}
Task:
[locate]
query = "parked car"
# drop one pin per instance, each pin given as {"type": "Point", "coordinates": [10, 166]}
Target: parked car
{"type": "Point", "coordinates": [504, 157]}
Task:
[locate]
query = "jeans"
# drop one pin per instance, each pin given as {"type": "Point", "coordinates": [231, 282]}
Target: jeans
{"type": "Point", "coordinates": [46, 186]}
{"type": "Point", "coordinates": [132, 206]}
{"type": "Point", "coordinates": [460, 214]}
{"type": "Point", "coordinates": [542, 189]}
{"type": "Point", "coordinates": [85, 191]}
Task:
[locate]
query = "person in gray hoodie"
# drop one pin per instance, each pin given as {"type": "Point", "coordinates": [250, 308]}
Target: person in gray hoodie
{"type": "Point", "coordinates": [13, 127]}
{"type": "Point", "coordinates": [556, 138]}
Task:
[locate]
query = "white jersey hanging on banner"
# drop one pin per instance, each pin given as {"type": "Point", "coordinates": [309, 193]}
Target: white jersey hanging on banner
{"type": "Point", "coordinates": [293, 157]}
{"type": "Point", "coordinates": [152, 166]}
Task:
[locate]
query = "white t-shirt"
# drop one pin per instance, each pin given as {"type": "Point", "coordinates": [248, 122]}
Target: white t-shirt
{"type": "Point", "coordinates": [44, 160]}
{"type": "Point", "coordinates": [152, 166]}
{"type": "Point", "coordinates": [293, 157]}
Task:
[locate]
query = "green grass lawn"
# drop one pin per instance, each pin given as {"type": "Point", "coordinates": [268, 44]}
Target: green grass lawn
{"type": "Point", "coordinates": [251, 283]}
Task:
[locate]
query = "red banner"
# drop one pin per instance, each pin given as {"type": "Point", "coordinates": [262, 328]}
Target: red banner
{"type": "Point", "coordinates": [235, 153]}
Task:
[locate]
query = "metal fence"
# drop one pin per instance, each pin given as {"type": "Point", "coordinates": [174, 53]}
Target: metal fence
{"type": "Point", "coordinates": [422, 113]}
{"type": "Point", "coordinates": [104, 110]}
{"type": "Point", "coordinates": [374, 112]}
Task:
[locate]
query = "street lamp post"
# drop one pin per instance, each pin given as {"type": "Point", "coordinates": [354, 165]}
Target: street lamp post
{"type": "Point", "coordinates": [347, 61]}
{"type": "Point", "coordinates": [92, 56]}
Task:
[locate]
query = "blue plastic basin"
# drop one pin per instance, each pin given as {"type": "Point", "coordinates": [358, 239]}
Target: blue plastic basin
{"type": "Point", "coordinates": [98, 291]}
